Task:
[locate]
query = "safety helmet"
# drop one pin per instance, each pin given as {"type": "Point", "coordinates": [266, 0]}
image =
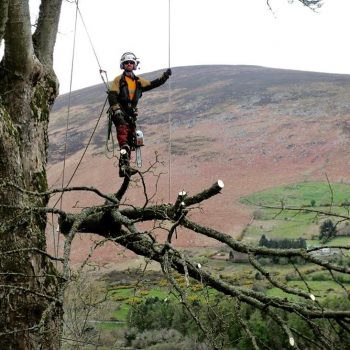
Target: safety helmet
{"type": "Point", "coordinates": [129, 56]}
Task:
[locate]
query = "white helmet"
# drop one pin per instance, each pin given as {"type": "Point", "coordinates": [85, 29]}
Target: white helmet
{"type": "Point", "coordinates": [129, 56]}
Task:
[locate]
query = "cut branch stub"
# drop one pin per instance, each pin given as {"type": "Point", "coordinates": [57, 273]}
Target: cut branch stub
{"type": "Point", "coordinates": [179, 204]}
{"type": "Point", "coordinates": [206, 194]}
{"type": "Point", "coordinates": [180, 211]}
{"type": "Point", "coordinates": [180, 198]}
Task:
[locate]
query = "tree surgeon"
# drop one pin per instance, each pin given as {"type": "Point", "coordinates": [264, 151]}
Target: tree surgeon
{"type": "Point", "coordinates": [123, 96]}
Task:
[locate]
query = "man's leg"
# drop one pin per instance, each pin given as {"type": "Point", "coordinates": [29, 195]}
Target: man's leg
{"type": "Point", "coordinates": [123, 136]}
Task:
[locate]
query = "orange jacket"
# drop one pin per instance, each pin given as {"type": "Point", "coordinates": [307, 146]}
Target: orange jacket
{"type": "Point", "coordinates": [118, 95]}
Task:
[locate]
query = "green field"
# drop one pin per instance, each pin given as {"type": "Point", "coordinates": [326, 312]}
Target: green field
{"type": "Point", "coordinates": [310, 201]}
{"type": "Point", "coordinates": [127, 296]}
{"type": "Point", "coordinates": [274, 224]}
{"type": "Point", "coordinates": [301, 194]}
{"type": "Point", "coordinates": [320, 289]}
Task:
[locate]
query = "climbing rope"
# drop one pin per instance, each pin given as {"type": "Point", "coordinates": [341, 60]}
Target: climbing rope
{"type": "Point", "coordinates": [60, 199]}
{"type": "Point", "coordinates": [103, 75]}
{"type": "Point", "coordinates": [105, 81]}
{"type": "Point", "coordinates": [104, 78]}
{"type": "Point", "coordinates": [88, 144]}
{"type": "Point", "coordinates": [169, 100]}
{"type": "Point", "coordinates": [69, 102]}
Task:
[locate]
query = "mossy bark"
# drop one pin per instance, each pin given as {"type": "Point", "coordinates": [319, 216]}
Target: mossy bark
{"type": "Point", "coordinates": [30, 316]}
{"type": "Point", "coordinates": [30, 309]}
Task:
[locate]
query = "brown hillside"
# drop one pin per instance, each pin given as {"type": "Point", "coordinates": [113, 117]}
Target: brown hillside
{"type": "Point", "coordinates": [252, 127]}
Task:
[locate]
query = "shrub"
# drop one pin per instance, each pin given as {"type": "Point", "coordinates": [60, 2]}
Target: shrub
{"type": "Point", "coordinates": [327, 231]}
{"type": "Point", "coordinates": [112, 338]}
{"type": "Point", "coordinates": [134, 300]}
{"type": "Point", "coordinates": [346, 203]}
{"type": "Point", "coordinates": [194, 300]}
{"type": "Point", "coordinates": [160, 336]}
{"type": "Point", "coordinates": [258, 288]}
{"type": "Point", "coordinates": [258, 276]}
{"type": "Point", "coordinates": [292, 277]}
{"type": "Point", "coordinates": [345, 230]}
{"type": "Point", "coordinates": [186, 344]}
{"type": "Point", "coordinates": [130, 335]}
{"type": "Point", "coordinates": [258, 214]}
{"type": "Point", "coordinates": [197, 287]}
{"type": "Point", "coordinates": [320, 277]}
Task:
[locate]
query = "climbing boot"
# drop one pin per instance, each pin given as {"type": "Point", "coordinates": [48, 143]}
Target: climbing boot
{"type": "Point", "coordinates": [124, 164]}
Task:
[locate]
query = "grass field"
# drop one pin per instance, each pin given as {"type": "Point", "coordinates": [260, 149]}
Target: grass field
{"type": "Point", "coordinates": [317, 282]}
{"type": "Point", "coordinates": [302, 194]}
{"type": "Point", "coordinates": [320, 289]}
{"type": "Point", "coordinates": [318, 197]}
{"type": "Point", "coordinates": [126, 297]}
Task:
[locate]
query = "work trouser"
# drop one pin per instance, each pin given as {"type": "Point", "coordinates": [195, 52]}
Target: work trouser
{"type": "Point", "coordinates": [125, 132]}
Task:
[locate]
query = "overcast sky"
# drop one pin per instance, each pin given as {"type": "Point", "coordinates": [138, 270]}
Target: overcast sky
{"type": "Point", "coordinates": [201, 32]}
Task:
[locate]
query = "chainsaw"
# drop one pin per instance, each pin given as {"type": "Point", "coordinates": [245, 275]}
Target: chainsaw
{"type": "Point", "coordinates": [138, 144]}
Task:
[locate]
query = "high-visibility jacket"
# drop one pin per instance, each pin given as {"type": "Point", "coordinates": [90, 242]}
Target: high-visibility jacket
{"type": "Point", "coordinates": [119, 96]}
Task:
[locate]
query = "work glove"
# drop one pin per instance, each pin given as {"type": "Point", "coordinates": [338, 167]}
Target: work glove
{"type": "Point", "coordinates": [167, 73]}
{"type": "Point", "coordinates": [116, 114]}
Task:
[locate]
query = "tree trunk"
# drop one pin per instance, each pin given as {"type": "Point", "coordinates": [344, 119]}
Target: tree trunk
{"type": "Point", "coordinates": [30, 312]}
{"type": "Point", "coordinates": [28, 283]}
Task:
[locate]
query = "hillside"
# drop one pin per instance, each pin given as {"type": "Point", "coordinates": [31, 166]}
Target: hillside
{"type": "Point", "coordinates": [252, 127]}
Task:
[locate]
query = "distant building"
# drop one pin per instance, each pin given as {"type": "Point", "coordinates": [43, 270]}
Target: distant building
{"type": "Point", "coordinates": [238, 257]}
{"type": "Point", "coordinates": [326, 252]}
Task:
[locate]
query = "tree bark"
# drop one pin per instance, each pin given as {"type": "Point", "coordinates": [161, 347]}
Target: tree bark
{"type": "Point", "coordinates": [30, 313]}
{"type": "Point", "coordinates": [44, 38]}
{"type": "Point", "coordinates": [3, 17]}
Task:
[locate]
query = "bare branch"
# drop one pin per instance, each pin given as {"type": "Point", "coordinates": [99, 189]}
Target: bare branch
{"type": "Point", "coordinates": [23, 250]}
{"type": "Point", "coordinates": [312, 4]}
{"type": "Point", "coordinates": [274, 282]}
{"type": "Point", "coordinates": [60, 190]}
{"type": "Point", "coordinates": [123, 188]}
{"type": "Point", "coordinates": [29, 291]}
{"type": "Point", "coordinates": [166, 267]}
{"type": "Point", "coordinates": [206, 194]}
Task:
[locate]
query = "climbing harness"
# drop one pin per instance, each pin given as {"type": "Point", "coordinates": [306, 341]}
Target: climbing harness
{"type": "Point", "coordinates": [137, 140]}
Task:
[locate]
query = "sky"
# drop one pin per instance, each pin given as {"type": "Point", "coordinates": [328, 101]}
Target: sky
{"type": "Point", "coordinates": [196, 32]}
